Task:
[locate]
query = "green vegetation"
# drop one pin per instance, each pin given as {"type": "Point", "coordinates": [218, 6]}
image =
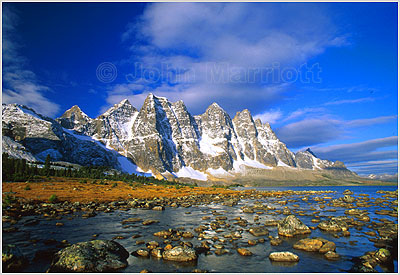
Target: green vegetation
{"type": "Point", "coordinates": [27, 187]}
{"type": "Point", "coordinates": [53, 198]}
{"type": "Point", "coordinates": [47, 163]}
{"type": "Point", "coordinates": [227, 186]}
{"type": "Point", "coordinates": [20, 170]}
{"type": "Point", "coordinates": [8, 199]}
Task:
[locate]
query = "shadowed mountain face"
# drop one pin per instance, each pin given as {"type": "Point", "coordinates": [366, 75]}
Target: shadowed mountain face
{"type": "Point", "coordinates": [162, 137]}
{"type": "Point", "coordinates": [38, 136]}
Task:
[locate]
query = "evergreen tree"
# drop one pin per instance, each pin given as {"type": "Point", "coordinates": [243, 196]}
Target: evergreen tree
{"type": "Point", "coordinates": [47, 163]}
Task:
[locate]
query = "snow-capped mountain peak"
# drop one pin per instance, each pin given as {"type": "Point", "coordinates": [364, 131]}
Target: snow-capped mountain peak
{"type": "Point", "coordinates": [162, 137]}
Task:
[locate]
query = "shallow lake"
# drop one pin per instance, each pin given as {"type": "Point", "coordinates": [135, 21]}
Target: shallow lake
{"type": "Point", "coordinates": [108, 225]}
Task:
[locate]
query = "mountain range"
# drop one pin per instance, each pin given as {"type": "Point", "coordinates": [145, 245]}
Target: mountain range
{"type": "Point", "coordinates": [161, 139]}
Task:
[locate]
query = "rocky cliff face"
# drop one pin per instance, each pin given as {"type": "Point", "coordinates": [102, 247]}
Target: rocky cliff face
{"type": "Point", "coordinates": [29, 135]}
{"type": "Point", "coordinates": [162, 137]}
{"type": "Point", "coordinates": [75, 119]}
{"type": "Point", "coordinates": [308, 160]}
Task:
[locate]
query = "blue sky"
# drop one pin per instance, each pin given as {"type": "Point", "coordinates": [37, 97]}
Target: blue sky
{"type": "Point", "coordinates": [324, 75]}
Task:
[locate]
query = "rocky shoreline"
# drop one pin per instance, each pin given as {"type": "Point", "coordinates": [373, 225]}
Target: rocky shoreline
{"type": "Point", "coordinates": [180, 245]}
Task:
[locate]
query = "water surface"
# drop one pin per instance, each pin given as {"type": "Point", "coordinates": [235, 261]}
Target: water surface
{"type": "Point", "coordinates": [108, 225]}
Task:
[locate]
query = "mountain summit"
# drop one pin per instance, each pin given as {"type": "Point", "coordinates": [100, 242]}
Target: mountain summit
{"type": "Point", "coordinates": [162, 138]}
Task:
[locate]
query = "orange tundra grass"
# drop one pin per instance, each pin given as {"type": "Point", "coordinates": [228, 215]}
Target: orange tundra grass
{"type": "Point", "coordinates": [67, 189]}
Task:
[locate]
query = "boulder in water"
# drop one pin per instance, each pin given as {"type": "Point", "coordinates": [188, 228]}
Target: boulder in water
{"type": "Point", "coordinates": [258, 231]}
{"type": "Point", "coordinates": [292, 226]}
{"type": "Point", "coordinates": [285, 256]}
{"type": "Point", "coordinates": [180, 254]}
{"type": "Point", "coordinates": [92, 256]}
{"type": "Point", "coordinates": [308, 244]}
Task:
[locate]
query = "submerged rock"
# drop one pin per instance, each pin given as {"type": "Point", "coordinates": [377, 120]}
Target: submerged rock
{"type": "Point", "coordinates": [292, 226]}
{"type": "Point", "coordinates": [92, 256]}
{"type": "Point", "coordinates": [252, 242]}
{"type": "Point", "coordinates": [163, 234]}
{"type": "Point", "coordinates": [271, 222]}
{"type": "Point", "coordinates": [330, 255]}
{"type": "Point", "coordinates": [276, 241]}
{"type": "Point", "coordinates": [187, 235]}
{"type": "Point", "coordinates": [244, 252]}
{"type": "Point", "coordinates": [12, 259]}
{"type": "Point", "coordinates": [259, 231]}
{"type": "Point", "coordinates": [328, 246]}
{"type": "Point", "coordinates": [148, 222]}
{"type": "Point", "coordinates": [221, 251]}
{"type": "Point", "coordinates": [285, 256]}
{"type": "Point", "coordinates": [131, 220]}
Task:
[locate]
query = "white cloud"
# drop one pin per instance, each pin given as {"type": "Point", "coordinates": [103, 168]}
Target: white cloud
{"type": "Point", "coordinates": [271, 116]}
{"type": "Point", "coordinates": [369, 121]}
{"type": "Point", "coordinates": [305, 111]}
{"type": "Point", "coordinates": [245, 37]}
{"type": "Point", "coordinates": [198, 97]}
{"type": "Point", "coordinates": [365, 146]}
{"type": "Point", "coordinates": [20, 85]}
{"type": "Point", "coordinates": [241, 33]}
{"type": "Point", "coordinates": [349, 101]}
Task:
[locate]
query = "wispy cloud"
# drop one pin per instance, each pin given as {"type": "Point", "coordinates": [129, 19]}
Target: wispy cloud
{"type": "Point", "coordinates": [365, 146]}
{"type": "Point", "coordinates": [375, 167]}
{"type": "Point", "coordinates": [310, 132]}
{"type": "Point", "coordinates": [350, 101]}
{"type": "Point", "coordinates": [20, 85]}
{"type": "Point", "coordinates": [270, 116]}
{"type": "Point", "coordinates": [364, 157]}
{"type": "Point", "coordinates": [348, 89]}
{"type": "Point", "coordinates": [368, 121]}
{"type": "Point", "coordinates": [322, 128]}
{"type": "Point", "coordinates": [301, 113]}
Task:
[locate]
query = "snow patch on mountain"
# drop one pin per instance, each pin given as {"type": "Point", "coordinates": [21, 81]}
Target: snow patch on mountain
{"type": "Point", "coordinates": [16, 150]}
{"type": "Point", "coordinates": [207, 146]}
{"type": "Point", "coordinates": [161, 137]}
{"type": "Point", "coordinates": [128, 167]}
{"type": "Point", "coordinates": [189, 172]}
{"type": "Point", "coordinates": [87, 138]}
{"type": "Point", "coordinates": [218, 172]}
{"type": "Point", "coordinates": [128, 126]}
{"type": "Point", "coordinates": [238, 165]}
{"type": "Point", "coordinates": [29, 112]}
{"type": "Point", "coordinates": [281, 163]}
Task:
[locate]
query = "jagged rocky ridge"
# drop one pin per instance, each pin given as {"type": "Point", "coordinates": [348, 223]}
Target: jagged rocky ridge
{"type": "Point", "coordinates": [29, 135]}
{"type": "Point", "coordinates": [162, 137]}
